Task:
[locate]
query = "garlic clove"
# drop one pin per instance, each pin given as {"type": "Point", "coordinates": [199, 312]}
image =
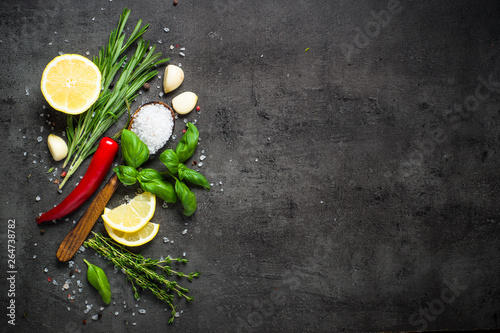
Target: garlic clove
{"type": "Point", "coordinates": [185, 102]}
{"type": "Point", "coordinates": [173, 78]}
{"type": "Point", "coordinates": [57, 146]}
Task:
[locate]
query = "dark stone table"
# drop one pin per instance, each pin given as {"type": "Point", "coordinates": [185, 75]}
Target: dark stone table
{"type": "Point", "coordinates": [353, 149]}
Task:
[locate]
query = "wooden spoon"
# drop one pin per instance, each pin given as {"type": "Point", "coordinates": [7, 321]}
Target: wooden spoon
{"type": "Point", "coordinates": [81, 230]}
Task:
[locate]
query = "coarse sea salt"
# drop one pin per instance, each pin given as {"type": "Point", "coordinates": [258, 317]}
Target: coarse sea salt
{"type": "Point", "coordinates": [153, 124]}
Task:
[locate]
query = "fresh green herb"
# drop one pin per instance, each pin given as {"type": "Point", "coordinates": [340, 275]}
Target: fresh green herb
{"type": "Point", "coordinates": [162, 189]}
{"type": "Point", "coordinates": [152, 181]}
{"type": "Point", "coordinates": [126, 174]}
{"type": "Point", "coordinates": [143, 272]}
{"type": "Point", "coordinates": [171, 160]}
{"type": "Point", "coordinates": [98, 279]}
{"type": "Point", "coordinates": [193, 177]}
{"type": "Point", "coordinates": [187, 197]}
{"type": "Point", "coordinates": [186, 146]}
{"type": "Point", "coordinates": [134, 151]}
{"type": "Point", "coordinates": [50, 170]}
{"type": "Point", "coordinates": [84, 130]}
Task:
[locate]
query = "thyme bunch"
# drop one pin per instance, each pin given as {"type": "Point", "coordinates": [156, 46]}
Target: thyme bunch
{"type": "Point", "coordinates": [142, 272]}
{"type": "Point", "coordinates": [84, 130]}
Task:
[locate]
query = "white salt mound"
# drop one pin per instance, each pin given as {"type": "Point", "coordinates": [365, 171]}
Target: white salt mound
{"type": "Point", "coordinates": [153, 124]}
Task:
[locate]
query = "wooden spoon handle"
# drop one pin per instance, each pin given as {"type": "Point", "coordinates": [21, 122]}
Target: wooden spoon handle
{"type": "Point", "coordinates": [81, 230]}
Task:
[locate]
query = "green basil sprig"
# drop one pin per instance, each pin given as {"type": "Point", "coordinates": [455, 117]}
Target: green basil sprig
{"type": "Point", "coordinates": [98, 280]}
{"type": "Point", "coordinates": [186, 146]}
{"type": "Point", "coordinates": [134, 151]}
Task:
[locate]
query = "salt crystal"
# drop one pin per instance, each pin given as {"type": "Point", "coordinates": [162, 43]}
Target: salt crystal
{"type": "Point", "coordinates": [160, 41]}
{"type": "Point", "coordinates": [41, 129]}
{"type": "Point", "coordinates": [60, 53]}
{"type": "Point", "coordinates": [183, 254]}
{"type": "Point", "coordinates": [160, 94]}
{"type": "Point", "coordinates": [80, 290]}
{"type": "Point", "coordinates": [25, 153]}
{"type": "Point", "coordinates": [184, 231]}
{"type": "Point", "coordinates": [142, 311]}
{"type": "Point", "coordinates": [34, 256]}
{"type": "Point", "coordinates": [165, 240]}
{"type": "Point", "coordinates": [256, 160]}
{"type": "Point", "coordinates": [101, 308]}
{"type": "Point", "coordinates": [166, 29]}
{"type": "Point", "coordinates": [171, 47]}
{"type": "Point", "coordinates": [39, 139]}
{"type": "Point", "coordinates": [93, 19]}
{"type": "Point", "coordinates": [65, 286]}
{"type": "Point", "coordinates": [50, 43]}
{"type": "Point", "coordinates": [71, 263]}
{"type": "Point", "coordinates": [87, 53]}
{"type": "Point", "coordinates": [86, 311]}
{"type": "Point", "coordinates": [54, 282]}
{"type": "Point", "coordinates": [182, 54]}
{"type": "Point", "coordinates": [200, 164]}
{"type": "Point", "coordinates": [182, 49]}
{"type": "Point", "coordinates": [95, 317]}
{"type": "Point", "coordinates": [177, 314]}
{"type": "Point", "coordinates": [202, 157]}
{"type": "Point", "coordinates": [69, 309]}
{"type": "Point", "coordinates": [66, 41]}
{"type": "Point", "coordinates": [45, 269]}
{"type": "Point", "coordinates": [82, 248]}
{"type": "Point", "coordinates": [37, 197]}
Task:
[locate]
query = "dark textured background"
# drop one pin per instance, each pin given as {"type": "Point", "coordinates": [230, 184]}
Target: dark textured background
{"type": "Point", "coordinates": [360, 178]}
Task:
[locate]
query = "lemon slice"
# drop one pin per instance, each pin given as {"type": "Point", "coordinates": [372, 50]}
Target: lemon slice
{"type": "Point", "coordinates": [132, 216]}
{"type": "Point", "coordinates": [71, 83]}
{"type": "Point", "coordinates": [140, 237]}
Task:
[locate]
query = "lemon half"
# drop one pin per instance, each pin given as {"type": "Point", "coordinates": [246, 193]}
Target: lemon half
{"type": "Point", "coordinates": [71, 83]}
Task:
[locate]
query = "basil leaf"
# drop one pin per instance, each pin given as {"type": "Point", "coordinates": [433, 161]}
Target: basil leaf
{"type": "Point", "coordinates": [163, 190]}
{"type": "Point", "coordinates": [126, 174]}
{"type": "Point", "coordinates": [134, 151]}
{"type": "Point", "coordinates": [98, 279]}
{"type": "Point", "coordinates": [186, 146]}
{"type": "Point", "coordinates": [193, 177]}
{"type": "Point", "coordinates": [187, 198]}
{"type": "Point", "coordinates": [170, 159]}
{"type": "Point", "coordinates": [147, 175]}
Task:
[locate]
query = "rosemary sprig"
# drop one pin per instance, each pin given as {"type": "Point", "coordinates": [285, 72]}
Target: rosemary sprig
{"type": "Point", "coordinates": [84, 130]}
{"type": "Point", "coordinates": [143, 272]}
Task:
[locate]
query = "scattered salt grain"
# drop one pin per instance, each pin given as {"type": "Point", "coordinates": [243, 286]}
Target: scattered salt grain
{"type": "Point", "coordinates": [171, 47]}
{"type": "Point", "coordinates": [153, 124]}
{"type": "Point", "coordinates": [54, 282]}
{"type": "Point", "coordinates": [37, 197]}
{"type": "Point", "coordinates": [165, 240]}
{"type": "Point", "coordinates": [116, 313]}
{"type": "Point", "coordinates": [182, 54]}
{"type": "Point", "coordinates": [200, 164]}
{"type": "Point", "coordinates": [166, 29]}
{"type": "Point", "coordinates": [34, 256]}
{"type": "Point", "coordinates": [95, 317]}
{"type": "Point", "coordinates": [45, 270]}
{"type": "Point", "coordinates": [65, 286]}
{"type": "Point", "coordinates": [69, 309]}
{"type": "Point", "coordinates": [39, 139]}
{"type": "Point", "coordinates": [202, 157]}
{"type": "Point", "coordinates": [184, 231]}
{"type": "Point", "coordinates": [142, 311]}
{"type": "Point", "coordinates": [182, 49]}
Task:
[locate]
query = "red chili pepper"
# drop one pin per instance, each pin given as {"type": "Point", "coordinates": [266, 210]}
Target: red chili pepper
{"type": "Point", "coordinates": [99, 166]}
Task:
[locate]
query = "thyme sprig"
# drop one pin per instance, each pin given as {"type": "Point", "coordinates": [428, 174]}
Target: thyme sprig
{"type": "Point", "coordinates": [143, 272]}
{"type": "Point", "coordinates": [85, 129]}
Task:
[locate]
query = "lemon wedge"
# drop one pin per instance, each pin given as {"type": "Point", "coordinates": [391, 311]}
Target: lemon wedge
{"type": "Point", "coordinates": [132, 216]}
{"type": "Point", "coordinates": [71, 83]}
